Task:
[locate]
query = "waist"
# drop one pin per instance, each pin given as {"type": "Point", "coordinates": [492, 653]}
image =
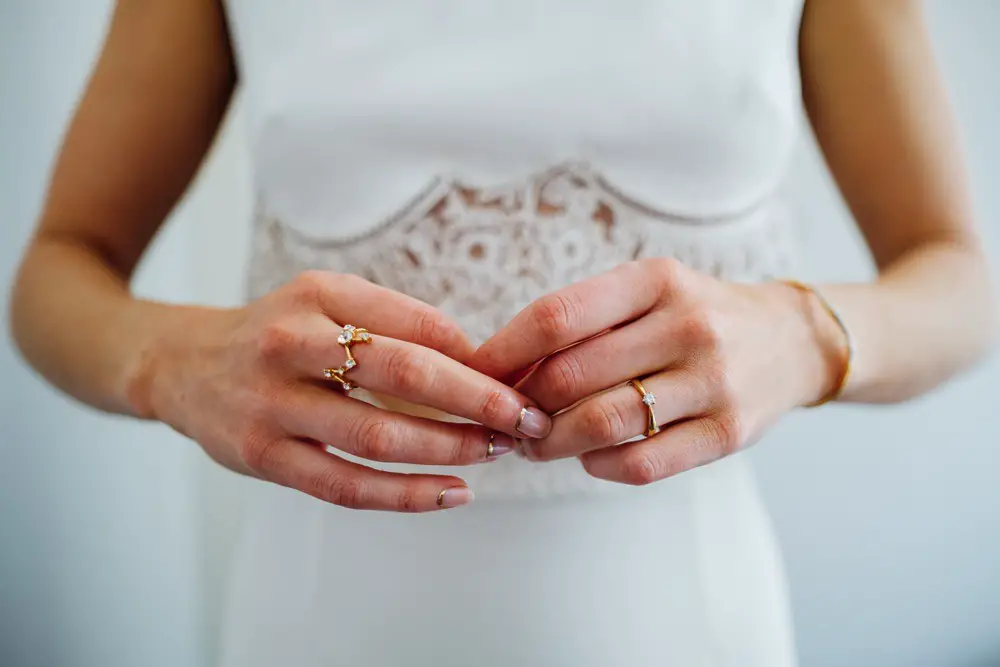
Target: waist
{"type": "Point", "coordinates": [483, 253]}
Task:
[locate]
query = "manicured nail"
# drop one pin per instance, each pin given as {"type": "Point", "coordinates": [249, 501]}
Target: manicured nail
{"type": "Point", "coordinates": [533, 423]}
{"type": "Point", "coordinates": [527, 450]}
{"type": "Point", "coordinates": [499, 444]}
{"type": "Point", "coordinates": [455, 497]}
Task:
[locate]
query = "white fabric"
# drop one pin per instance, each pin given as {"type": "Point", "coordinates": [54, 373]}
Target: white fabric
{"type": "Point", "coordinates": [478, 155]}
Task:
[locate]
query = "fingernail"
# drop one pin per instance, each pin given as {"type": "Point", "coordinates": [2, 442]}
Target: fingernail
{"type": "Point", "coordinates": [528, 451]}
{"type": "Point", "coordinates": [499, 444]}
{"type": "Point", "coordinates": [533, 423]}
{"type": "Point", "coordinates": [455, 497]}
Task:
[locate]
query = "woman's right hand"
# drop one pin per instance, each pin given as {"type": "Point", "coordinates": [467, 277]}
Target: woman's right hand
{"type": "Point", "coordinates": [248, 386]}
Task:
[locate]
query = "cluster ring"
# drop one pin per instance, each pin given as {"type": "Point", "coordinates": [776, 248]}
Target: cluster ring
{"type": "Point", "coordinates": [349, 335]}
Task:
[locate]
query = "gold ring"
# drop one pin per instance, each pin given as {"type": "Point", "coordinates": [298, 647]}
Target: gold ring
{"type": "Point", "coordinates": [649, 400]}
{"type": "Point", "coordinates": [349, 335]}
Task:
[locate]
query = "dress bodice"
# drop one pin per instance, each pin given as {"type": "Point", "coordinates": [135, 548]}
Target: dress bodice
{"type": "Point", "coordinates": [355, 107]}
{"type": "Point", "coordinates": [479, 154]}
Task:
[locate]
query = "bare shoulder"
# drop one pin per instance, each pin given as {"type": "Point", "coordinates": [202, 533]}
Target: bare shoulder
{"type": "Point", "coordinates": [147, 117]}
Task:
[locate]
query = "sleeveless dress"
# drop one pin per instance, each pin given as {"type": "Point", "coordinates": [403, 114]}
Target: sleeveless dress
{"type": "Point", "coordinates": [478, 155]}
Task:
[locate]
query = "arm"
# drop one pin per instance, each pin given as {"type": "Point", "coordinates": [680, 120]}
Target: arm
{"type": "Point", "coordinates": [881, 116]}
{"type": "Point", "coordinates": [247, 384]}
{"type": "Point", "coordinates": [149, 113]}
{"type": "Point", "coordinates": [726, 360]}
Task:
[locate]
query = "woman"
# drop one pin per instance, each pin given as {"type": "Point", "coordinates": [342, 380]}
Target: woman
{"type": "Point", "coordinates": [553, 228]}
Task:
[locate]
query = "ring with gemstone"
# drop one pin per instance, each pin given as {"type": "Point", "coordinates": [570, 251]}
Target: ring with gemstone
{"type": "Point", "coordinates": [349, 335]}
{"type": "Point", "coordinates": [649, 400]}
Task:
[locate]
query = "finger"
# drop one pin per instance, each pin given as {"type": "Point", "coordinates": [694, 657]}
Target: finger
{"type": "Point", "coordinates": [618, 415]}
{"type": "Point", "coordinates": [568, 316]}
{"type": "Point", "coordinates": [306, 467]}
{"type": "Point", "coordinates": [569, 376]}
{"type": "Point", "coordinates": [379, 435]}
{"type": "Point", "coordinates": [421, 376]}
{"type": "Point", "coordinates": [350, 299]}
{"type": "Point", "coordinates": [672, 451]}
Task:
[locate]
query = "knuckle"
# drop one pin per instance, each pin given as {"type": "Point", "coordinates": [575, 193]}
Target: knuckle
{"type": "Point", "coordinates": [333, 486]}
{"type": "Point", "coordinates": [470, 447]}
{"type": "Point", "coordinates": [604, 422]}
{"type": "Point", "coordinates": [639, 468]}
{"type": "Point", "coordinates": [554, 316]}
{"type": "Point", "coordinates": [257, 450]}
{"type": "Point", "coordinates": [432, 329]}
{"type": "Point", "coordinates": [719, 384]}
{"type": "Point", "coordinates": [346, 282]}
{"type": "Point", "coordinates": [407, 500]}
{"type": "Point", "coordinates": [565, 374]}
{"type": "Point", "coordinates": [338, 285]}
{"type": "Point", "coordinates": [494, 407]}
{"type": "Point", "coordinates": [313, 277]}
{"type": "Point", "coordinates": [726, 432]}
{"type": "Point", "coordinates": [408, 372]}
{"type": "Point", "coordinates": [668, 271]}
{"type": "Point", "coordinates": [376, 439]}
{"type": "Point", "coordinates": [308, 286]}
{"type": "Point", "coordinates": [275, 340]}
{"type": "Point", "coordinates": [698, 331]}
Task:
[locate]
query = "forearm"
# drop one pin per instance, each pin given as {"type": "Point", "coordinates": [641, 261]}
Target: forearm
{"type": "Point", "coordinates": [881, 115]}
{"type": "Point", "coordinates": [76, 322]}
{"type": "Point", "coordinates": [931, 313]}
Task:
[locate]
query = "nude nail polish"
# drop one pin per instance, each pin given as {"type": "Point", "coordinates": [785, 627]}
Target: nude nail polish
{"type": "Point", "coordinates": [499, 444]}
{"type": "Point", "coordinates": [455, 497]}
{"type": "Point", "coordinates": [533, 423]}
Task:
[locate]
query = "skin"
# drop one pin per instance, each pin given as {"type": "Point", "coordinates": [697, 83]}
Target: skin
{"type": "Point", "coordinates": [244, 383]}
{"type": "Point", "coordinates": [724, 360]}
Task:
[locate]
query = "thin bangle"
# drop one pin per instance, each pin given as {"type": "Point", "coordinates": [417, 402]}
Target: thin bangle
{"type": "Point", "coordinates": [848, 352]}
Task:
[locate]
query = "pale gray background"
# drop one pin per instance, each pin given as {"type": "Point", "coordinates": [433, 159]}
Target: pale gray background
{"type": "Point", "coordinates": [113, 535]}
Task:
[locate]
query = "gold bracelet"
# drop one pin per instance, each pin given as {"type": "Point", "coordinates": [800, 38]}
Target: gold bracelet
{"type": "Point", "coordinates": [848, 354]}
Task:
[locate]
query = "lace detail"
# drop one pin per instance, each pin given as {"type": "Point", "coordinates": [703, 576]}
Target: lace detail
{"type": "Point", "coordinates": [481, 254]}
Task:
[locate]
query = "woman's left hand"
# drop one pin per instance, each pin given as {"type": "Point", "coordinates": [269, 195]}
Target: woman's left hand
{"type": "Point", "coordinates": [724, 360]}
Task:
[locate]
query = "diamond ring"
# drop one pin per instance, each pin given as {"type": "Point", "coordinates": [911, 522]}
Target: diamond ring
{"type": "Point", "coordinates": [649, 400]}
{"type": "Point", "coordinates": [349, 335]}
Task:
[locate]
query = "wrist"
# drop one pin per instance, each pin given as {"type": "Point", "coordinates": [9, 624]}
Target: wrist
{"type": "Point", "coordinates": [813, 342]}
{"type": "Point", "coordinates": [170, 342]}
{"type": "Point", "coordinates": [832, 345]}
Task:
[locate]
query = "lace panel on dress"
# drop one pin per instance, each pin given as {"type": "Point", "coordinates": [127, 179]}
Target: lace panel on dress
{"type": "Point", "coordinates": [481, 254]}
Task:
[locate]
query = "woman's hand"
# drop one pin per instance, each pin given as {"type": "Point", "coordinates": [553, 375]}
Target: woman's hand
{"type": "Point", "coordinates": [723, 361]}
{"type": "Point", "coordinates": [248, 386]}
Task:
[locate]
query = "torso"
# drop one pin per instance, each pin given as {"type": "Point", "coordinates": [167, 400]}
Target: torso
{"type": "Point", "coordinates": [477, 155]}
{"type": "Point", "coordinates": [355, 107]}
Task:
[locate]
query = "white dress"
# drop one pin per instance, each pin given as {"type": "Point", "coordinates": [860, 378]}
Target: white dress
{"type": "Point", "coordinates": [478, 155]}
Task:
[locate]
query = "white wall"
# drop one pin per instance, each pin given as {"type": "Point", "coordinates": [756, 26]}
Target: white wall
{"type": "Point", "coordinates": [890, 517]}
{"type": "Point", "coordinates": [97, 556]}
{"type": "Point", "coordinates": [113, 535]}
